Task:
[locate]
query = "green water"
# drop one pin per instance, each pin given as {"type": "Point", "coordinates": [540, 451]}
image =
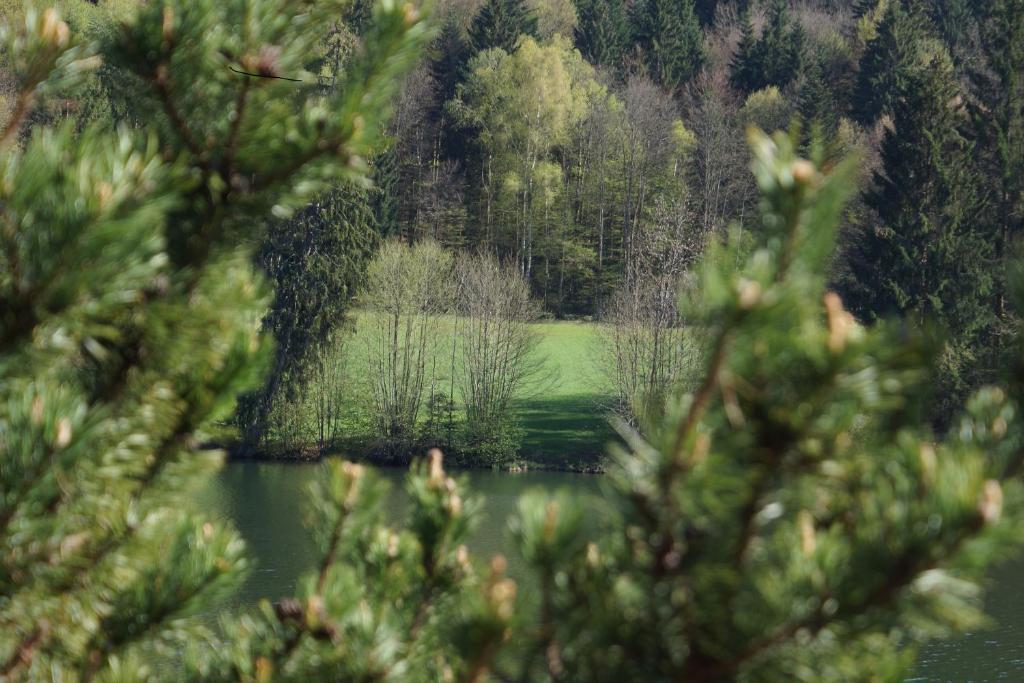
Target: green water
{"type": "Point", "coordinates": [266, 502]}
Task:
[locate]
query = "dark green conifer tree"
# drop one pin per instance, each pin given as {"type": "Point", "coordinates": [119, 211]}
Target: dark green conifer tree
{"type": "Point", "coordinates": [816, 104]}
{"type": "Point", "coordinates": [384, 195]}
{"type": "Point", "coordinates": [886, 60]}
{"type": "Point", "coordinates": [744, 69]}
{"type": "Point", "coordinates": [997, 128]}
{"type": "Point", "coordinates": [602, 31]}
{"type": "Point", "coordinates": [448, 58]}
{"type": "Point", "coordinates": [926, 257]}
{"type": "Point", "coordinates": [316, 262]}
{"type": "Point", "coordinates": [672, 40]}
{"type": "Point", "coordinates": [780, 47]}
{"type": "Point", "coordinates": [955, 22]}
{"type": "Point", "coordinates": [775, 57]}
{"type": "Point", "coordinates": [863, 7]}
{"type": "Point", "coordinates": [706, 11]}
{"type": "Point", "coordinates": [501, 24]}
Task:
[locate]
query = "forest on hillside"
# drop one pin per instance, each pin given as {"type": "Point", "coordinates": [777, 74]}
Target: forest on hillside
{"type": "Point", "coordinates": [598, 146]}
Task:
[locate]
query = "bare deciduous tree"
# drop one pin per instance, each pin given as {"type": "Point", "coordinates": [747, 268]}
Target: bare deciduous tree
{"type": "Point", "coordinates": [498, 345]}
{"type": "Point", "coordinates": [647, 346]}
{"type": "Point", "coordinates": [407, 289]}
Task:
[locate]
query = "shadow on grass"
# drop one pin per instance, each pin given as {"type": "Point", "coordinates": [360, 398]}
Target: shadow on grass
{"type": "Point", "coordinates": [570, 426]}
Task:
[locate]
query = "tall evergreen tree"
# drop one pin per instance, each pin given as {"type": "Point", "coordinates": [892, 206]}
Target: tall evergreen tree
{"type": "Point", "coordinates": [775, 57]}
{"type": "Point", "coordinates": [501, 24]}
{"type": "Point", "coordinates": [744, 68]}
{"type": "Point", "coordinates": [997, 116]}
{"type": "Point", "coordinates": [896, 48]}
{"type": "Point", "coordinates": [926, 256]}
{"type": "Point", "coordinates": [864, 7]}
{"type": "Point", "coordinates": [672, 40]}
{"type": "Point", "coordinates": [315, 261]}
{"type": "Point", "coordinates": [816, 104]}
{"type": "Point", "coordinates": [780, 46]}
{"type": "Point", "coordinates": [706, 11]}
{"type": "Point", "coordinates": [602, 31]}
{"type": "Point", "coordinates": [448, 58]}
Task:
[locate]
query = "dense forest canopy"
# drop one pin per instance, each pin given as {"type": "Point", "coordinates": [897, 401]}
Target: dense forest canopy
{"type": "Point", "coordinates": [201, 200]}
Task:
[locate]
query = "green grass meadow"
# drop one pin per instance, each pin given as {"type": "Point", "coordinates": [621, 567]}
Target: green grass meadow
{"type": "Point", "coordinates": [562, 413]}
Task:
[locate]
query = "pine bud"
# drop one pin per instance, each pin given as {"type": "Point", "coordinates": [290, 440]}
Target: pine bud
{"type": "Point", "coordinates": [314, 611]}
{"type": "Point", "coordinates": [167, 29]}
{"type": "Point", "coordinates": [803, 172]}
{"type": "Point", "coordinates": [808, 537]}
{"type": "Point", "coordinates": [839, 322]}
{"type": "Point", "coordinates": [435, 478]}
{"type": "Point", "coordinates": [455, 505]}
{"type": "Point", "coordinates": [264, 670]}
{"type": "Point", "coordinates": [990, 507]}
{"type": "Point", "coordinates": [54, 32]}
{"type": "Point", "coordinates": [550, 520]}
{"type": "Point", "coordinates": [926, 453]}
{"type": "Point", "coordinates": [63, 433]}
{"type": "Point", "coordinates": [410, 15]}
{"type": "Point", "coordinates": [749, 293]}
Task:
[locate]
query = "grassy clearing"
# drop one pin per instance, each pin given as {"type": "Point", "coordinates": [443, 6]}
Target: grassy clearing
{"type": "Point", "coordinates": [566, 416]}
{"type": "Point", "coordinates": [562, 414]}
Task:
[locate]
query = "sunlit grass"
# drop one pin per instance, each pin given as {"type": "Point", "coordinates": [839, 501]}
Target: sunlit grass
{"type": "Point", "coordinates": [562, 412]}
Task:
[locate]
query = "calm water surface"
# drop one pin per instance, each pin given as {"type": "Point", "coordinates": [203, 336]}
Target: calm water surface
{"type": "Point", "coordinates": [267, 503]}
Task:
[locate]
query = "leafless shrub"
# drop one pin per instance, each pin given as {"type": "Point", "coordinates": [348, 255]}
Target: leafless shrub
{"type": "Point", "coordinates": [497, 343]}
{"type": "Point", "coordinates": [648, 349]}
{"type": "Point", "coordinates": [407, 290]}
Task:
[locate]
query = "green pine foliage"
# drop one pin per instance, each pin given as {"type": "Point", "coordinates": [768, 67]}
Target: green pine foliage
{"type": "Point", "coordinates": [501, 24]}
{"type": "Point", "coordinates": [670, 35]}
{"type": "Point", "coordinates": [602, 31]}
{"type": "Point", "coordinates": [129, 316]}
{"type": "Point", "coordinates": [793, 517]}
{"type": "Point", "coordinates": [926, 255]}
{"type": "Point", "coordinates": [790, 521]}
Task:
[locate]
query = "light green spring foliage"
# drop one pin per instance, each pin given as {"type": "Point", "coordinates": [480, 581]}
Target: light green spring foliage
{"type": "Point", "coordinates": [129, 312]}
{"type": "Point", "coordinates": [790, 521]}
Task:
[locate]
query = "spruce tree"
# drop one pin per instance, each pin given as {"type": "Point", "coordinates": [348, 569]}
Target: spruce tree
{"type": "Point", "coordinates": [501, 24]}
{"type": "Point", "coordinates": [449, 58]}
{"type": "Point", "coordinates": [816, 105]}
{"type": "Point", "coordinates": [926, 257]}
{"type": "Point", "coordinates": [672, 40]}
{"type": "Point", "coordinates": [774, 58]}
{"type": "Point", "coordinates": [997, 127]}
{"type": "Point", "coordinates": [780, 46]}
{"type": "Point", "coordinates": [602, 31]}
{"type": "Point", "coordinates": [896, 48]}
{"type": "Point", "coordinates": [315, 261]}
{"type": "Point", "coordinates": [862, 8]}
{"type": "Point", "coordinates": [744, 70]}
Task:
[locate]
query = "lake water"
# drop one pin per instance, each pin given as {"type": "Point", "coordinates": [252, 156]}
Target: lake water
{"type": "Point", "coordinates": [267, 503]}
